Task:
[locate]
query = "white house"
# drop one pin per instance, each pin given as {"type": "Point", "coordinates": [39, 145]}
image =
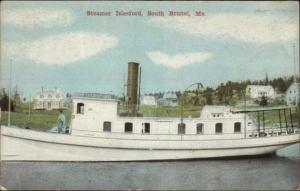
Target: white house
{"type": "Point", "coordinates": [169, 99]}
{"type": "Point", "coordinates": [49, 99]}
{"type": "Point", "coordinates": [258, 91]}
{"type": "Point", "coordinates": [149, 100]}
{"type": "Point", "coordinates": [292, 94]}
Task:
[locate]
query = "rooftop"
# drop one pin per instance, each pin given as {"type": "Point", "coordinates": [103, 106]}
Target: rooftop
{"type": "Point", "coordinates": [94, 95]}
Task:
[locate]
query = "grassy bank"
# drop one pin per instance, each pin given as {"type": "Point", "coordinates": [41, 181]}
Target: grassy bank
{"type": "Point", "coordinates": [37, 119]}
{"type": "Point", "coordinates": [152, 111]}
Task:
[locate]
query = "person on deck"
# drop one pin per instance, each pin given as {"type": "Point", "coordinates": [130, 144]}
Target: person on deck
{"type": "Point", "coordinates": [61, 122]}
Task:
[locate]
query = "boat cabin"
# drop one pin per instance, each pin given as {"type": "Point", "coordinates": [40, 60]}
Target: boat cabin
{"type": "Point", "coordinates": [95, 116]}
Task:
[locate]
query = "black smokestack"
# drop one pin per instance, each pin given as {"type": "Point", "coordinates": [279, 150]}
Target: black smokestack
{"type": "Point", "coordinates": [132, 87]}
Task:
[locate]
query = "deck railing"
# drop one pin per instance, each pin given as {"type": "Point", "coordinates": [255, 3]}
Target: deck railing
{"type": "Point", "coordinates": [273, 132]}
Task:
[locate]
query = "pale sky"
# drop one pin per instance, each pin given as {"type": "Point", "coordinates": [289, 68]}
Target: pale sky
{"type": "Point", "coordinates": [55, 44]}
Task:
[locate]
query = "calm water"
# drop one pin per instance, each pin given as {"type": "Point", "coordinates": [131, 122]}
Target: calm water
{"type": "Point", "coordinates": [273, 172]}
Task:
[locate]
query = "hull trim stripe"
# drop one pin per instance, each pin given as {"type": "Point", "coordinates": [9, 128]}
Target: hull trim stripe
{"type": "Point", "coordinates": [183, 149]}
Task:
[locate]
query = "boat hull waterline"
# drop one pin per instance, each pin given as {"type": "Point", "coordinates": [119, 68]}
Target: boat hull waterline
{"type": "Point", "coordinates": [27, 145]}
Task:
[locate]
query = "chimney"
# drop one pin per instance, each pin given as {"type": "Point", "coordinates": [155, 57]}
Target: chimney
{"type": "Point", "coordinates": [132, 87]}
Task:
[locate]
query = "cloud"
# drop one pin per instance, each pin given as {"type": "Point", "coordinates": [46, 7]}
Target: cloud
{"type": "Point", "coordinates": [251, 28]}
{"type": "Point", "coordinates": [178, 60]}
{"type": "Point", "coordinates": [30, 18]}
{"type": "Point", "coordinates": [63, 48]}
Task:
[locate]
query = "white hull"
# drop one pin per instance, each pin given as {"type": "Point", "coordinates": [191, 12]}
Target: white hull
{"type": "Point", "coordinates": [21, 144]}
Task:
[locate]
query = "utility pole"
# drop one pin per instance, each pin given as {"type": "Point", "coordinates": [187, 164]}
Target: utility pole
{"type": "Point", "coordinates": [29, 108]}
{"type": "Point", "coordinates": [0, 78]}
{"type": "Point", "coordinates": [295, 75]}
{"type": "Point", "coordinates": [9, 93]}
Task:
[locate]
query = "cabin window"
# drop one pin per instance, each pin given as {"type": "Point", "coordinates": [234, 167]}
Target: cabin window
{"type": "Point", "coordinates": [107, 126]}
{"type": "Point", "coordinates": [181, 128]}
{"type": "Point", "coordinates": [146, 128]}
{"type": "Point", "coordinates": [80, 108]}
{"type": "Point", "coordinates": [200, 128]}
{"type": "Point", "coordinates": [219, 128]}
{"type": "Point", "coordinates": [237, 127]}
{"type": "Point", "coordinates": [128, 127]}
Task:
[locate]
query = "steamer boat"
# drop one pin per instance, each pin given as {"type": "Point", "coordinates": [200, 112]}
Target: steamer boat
{"type": "Point", "coordinates": [98, 133]}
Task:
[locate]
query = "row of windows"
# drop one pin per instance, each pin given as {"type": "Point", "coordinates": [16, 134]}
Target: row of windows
{"type": "Point", "coordinates": [291, 91]}
{"type": "Point", "coordinates": [262, 93]}
{"type": "Point", "coordinates": [128, 127]}
{"type": "Point", "coordinates": [218, 115]}
{"type": "Point", "coordinates": [49, 96]}
{"type": "Point", "coordinates": [218, 128]}
{"type": "Point", "coordinates": [46, 102]}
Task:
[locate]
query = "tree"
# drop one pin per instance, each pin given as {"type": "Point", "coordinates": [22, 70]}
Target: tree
{"type": "Point", "coordinates": [4, 103]}
{"type": "Point", "coordinates": [266, 79]}
{"type": "Point", "coordinates": [263, 101]}
{"type": "Point", "coordinates": [208, 94]}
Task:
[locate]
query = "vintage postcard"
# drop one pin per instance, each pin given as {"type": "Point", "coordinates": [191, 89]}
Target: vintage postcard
{"type": "Point", "coordinates": [158, 95]}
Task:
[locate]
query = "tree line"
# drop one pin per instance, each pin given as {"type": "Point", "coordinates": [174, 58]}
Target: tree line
{"type": "Point", "coordinates": [227, 93]}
